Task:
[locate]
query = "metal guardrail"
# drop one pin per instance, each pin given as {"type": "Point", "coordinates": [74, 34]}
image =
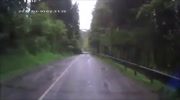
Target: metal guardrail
{"type": "Point", "coordinates": [150, 73]}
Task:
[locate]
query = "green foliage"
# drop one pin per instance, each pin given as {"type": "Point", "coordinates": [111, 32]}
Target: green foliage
{"type": "Point", "coordinates": [38, 31]}
{"type": "Point", "coordinates": [122, 37]}
{"type": "Point", "coordinates": [55, 33]}
{"type": "Point", "coordinates": [70, 18]}
{"type": "Point", "coordinates": [140, 31]}
{"type": "Point", "coordinates": [35, 38]}
{"type": "Point", "coordinates": [25, 62]}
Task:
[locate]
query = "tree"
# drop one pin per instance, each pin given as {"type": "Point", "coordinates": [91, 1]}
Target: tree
{"type": "Point", "coordinates": [140, 31]}
{"type": "Point", "coordinates": [47, 32]}
{"type": "Point", "coordinates": [8, 22]}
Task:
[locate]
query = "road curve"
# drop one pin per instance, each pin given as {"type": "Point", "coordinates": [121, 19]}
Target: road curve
{"type": "Point", "coordinates": [81, 77]}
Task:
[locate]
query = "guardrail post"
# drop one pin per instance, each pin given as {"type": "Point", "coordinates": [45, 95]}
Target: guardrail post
{"type": "Point", "coordinates": [135, 73]}
{"type": "Point", "coordinates": [125, 68]}
{"type": "Point", "coordinates": [151, 81]}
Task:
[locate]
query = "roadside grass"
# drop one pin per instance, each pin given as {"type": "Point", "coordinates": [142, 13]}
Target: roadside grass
{"type": "Point", "coordinates": [163, 90]}
{"type": "Point", "coordinates": [14, 64]}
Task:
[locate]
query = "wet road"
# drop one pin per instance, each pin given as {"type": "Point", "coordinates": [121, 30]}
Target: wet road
{"type": "Point", "coordinates": [81, 77]}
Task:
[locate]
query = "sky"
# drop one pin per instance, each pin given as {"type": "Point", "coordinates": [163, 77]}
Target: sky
{"type": "Point", "coordinates": [85, 12]}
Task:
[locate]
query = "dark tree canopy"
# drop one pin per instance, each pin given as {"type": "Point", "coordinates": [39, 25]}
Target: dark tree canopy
{"type": "Point", "coordinates": [38, 31]}
{"type": "Point", "coordinates": [142, 31]}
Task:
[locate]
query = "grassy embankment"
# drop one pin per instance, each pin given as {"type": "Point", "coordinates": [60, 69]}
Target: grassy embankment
{"type": "Point", "coordinates": [157, 86]}
{"type": "Point", "coordinates": [13, 64]}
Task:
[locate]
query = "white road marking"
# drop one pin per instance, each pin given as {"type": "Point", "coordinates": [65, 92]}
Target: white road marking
{"type": "Point", "coordinates": [44, 94]}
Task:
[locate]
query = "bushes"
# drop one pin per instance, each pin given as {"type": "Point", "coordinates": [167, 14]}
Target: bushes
{"type": "Point", "coordinates": [34, 32]}
{"type": "Point", "coordinates": [17, 63]}
{"type": "Point", "coordinates": [30, 39]}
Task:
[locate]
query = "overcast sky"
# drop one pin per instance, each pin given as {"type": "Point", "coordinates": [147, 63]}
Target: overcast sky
{"type": "Point", "coordinates": [85, 12]}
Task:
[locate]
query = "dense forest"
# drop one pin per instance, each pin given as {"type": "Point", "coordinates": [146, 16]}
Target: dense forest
{"type": "Point", "coordinates": [22, 29]}
{"type": "Point", "coordinates": [146, 32]}
{"type": "Point", "coordinates": [35, 33]}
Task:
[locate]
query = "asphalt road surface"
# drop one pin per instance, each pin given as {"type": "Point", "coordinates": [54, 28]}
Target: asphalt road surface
{"type": "Point", "coordinates": [81, 77]}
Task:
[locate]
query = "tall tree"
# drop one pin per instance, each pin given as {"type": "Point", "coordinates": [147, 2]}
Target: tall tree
{"type": "Point", "coordinates": [8, 10]}
{"type": "Point", "coordinates": [141, 31]}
